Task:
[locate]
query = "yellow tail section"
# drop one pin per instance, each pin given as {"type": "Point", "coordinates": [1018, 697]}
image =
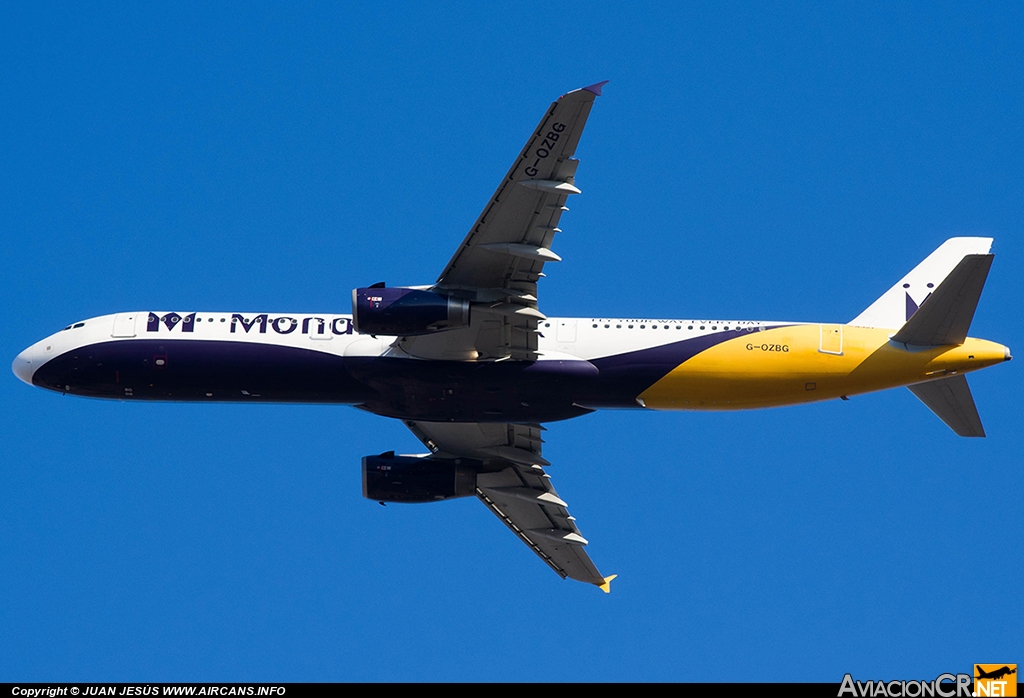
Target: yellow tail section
{"type": "Point", "coordinates": [806, 363]}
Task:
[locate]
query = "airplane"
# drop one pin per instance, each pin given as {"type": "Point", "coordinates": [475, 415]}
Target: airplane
{"type": "Point", "coordinates": [474, 369]}
{"type": "Point", "coordinates": [995, 673]}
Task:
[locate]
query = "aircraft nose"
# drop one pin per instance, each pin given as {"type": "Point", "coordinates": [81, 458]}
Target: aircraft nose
{"type": "Point", "coordinates": [25, 364]}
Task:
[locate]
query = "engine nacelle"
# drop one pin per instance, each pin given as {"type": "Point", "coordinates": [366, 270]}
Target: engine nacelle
{"type": "Point", "coordinates": [405, 311]}
{"type": "Point", "coordinates": [391, 478]}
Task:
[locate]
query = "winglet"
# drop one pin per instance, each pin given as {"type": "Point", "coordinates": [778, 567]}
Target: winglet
{"type": "Point", "coordinates": [596, 87]}
{"type": "Point", "coordinates": [607, 586]}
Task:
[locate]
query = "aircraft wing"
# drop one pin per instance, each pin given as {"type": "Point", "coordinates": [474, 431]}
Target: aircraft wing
{"type": "Point", "coordinates": [499, 261]}
{"type": "Point", "coordinates": [515, 487]}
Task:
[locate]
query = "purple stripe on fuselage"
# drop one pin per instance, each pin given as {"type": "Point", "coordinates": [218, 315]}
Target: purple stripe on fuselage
{"type": "Point", "coordinates": [625, 376]}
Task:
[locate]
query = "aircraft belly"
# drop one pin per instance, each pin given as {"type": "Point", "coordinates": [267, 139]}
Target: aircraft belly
{"type": "Point", "coordinates": [794, 364]}
{"type": "Point", "coordinates": [467, 391]}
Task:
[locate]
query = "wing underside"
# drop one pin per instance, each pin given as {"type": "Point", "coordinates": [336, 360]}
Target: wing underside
{"type": "Point", "coordinates": [514, 486]}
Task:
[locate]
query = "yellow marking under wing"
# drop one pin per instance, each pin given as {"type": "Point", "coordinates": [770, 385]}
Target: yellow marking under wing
{"type": "Point", "coordinates": [785, 366]}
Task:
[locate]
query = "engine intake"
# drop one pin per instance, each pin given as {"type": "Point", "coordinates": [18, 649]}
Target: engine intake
{"type": "Point", "coordinates": [391, 478]}
{"type": "Point", "coordinates": [405, 311]}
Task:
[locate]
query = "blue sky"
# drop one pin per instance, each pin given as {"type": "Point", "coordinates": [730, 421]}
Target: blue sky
{"type": "Point", "coordinates": [784, 162]}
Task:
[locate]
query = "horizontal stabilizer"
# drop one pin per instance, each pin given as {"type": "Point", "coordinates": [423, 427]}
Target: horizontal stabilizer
{"type": "Point", "coordinates": [951, 401]}
{"type": "Point", "coordinates": [945, 316]}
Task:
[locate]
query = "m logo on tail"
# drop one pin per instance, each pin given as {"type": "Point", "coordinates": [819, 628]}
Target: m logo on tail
{"type": "Point", "coordinates": [912, 306]}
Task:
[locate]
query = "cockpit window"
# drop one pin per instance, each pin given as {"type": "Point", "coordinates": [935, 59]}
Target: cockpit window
{"type": "Point", "coordinates": [77, 325]}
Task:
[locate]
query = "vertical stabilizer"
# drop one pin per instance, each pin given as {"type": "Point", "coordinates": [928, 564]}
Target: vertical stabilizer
{"type": "Point", "coordinates": [899, 303]}
{"type": "Point", "coordinates": [951, 401]}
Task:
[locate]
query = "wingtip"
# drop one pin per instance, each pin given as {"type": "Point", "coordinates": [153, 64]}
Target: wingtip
{"type": "Point", "coordinates": [607, 586]}
{"type": "Point", "coordinates": [596, 87]}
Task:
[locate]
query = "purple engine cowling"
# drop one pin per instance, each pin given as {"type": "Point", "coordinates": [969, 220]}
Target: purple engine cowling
{"type": "Point", "coordinates": [405, 311]}
{"type": "Point", "coordinates": [411, 479]}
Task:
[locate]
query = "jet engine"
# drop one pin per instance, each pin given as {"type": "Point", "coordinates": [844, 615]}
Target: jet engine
{"type": "Point", "coordinates": [391, 478]}
{"type": "Point", "coordinates": [405, 311]}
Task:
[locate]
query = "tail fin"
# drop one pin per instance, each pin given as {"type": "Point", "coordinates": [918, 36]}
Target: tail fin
{"type": "Point", "coordinates": [895, 307]}
{"type": "Point", "coordinates": [951, 401]}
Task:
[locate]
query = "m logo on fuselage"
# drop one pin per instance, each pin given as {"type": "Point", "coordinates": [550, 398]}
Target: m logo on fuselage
{"type": "Point", "coordinates": [171, 320]}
